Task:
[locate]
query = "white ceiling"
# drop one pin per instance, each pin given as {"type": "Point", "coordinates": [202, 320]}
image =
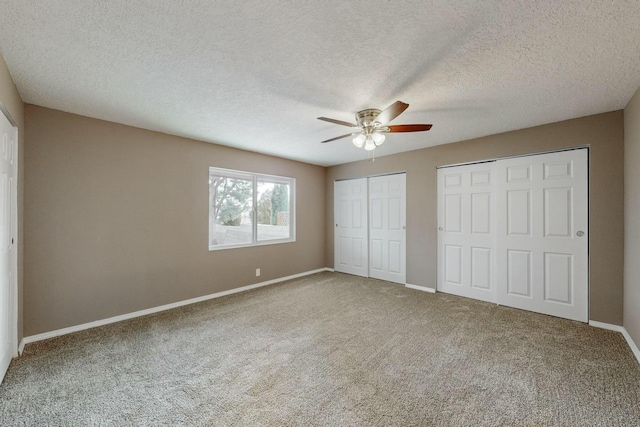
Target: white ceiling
{"type": "Point", "coordinates": [255, 74]}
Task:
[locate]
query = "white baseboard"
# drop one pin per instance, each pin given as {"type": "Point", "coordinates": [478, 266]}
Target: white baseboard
{"type": "Point", "coordinates": [71, 329]}
{"type": "Point", "coordinates": [632, 344]}
{"type": "Point", "coordinates": [623, 331]}
{"type": "Point", "coordinates": [420, 288]}
{"type": "Point", "coordinates": [607, 326]}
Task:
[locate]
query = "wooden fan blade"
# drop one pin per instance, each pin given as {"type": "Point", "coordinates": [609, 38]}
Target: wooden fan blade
{"type": "Point", "coordinates": [338, 122]}
{"type": "Point", "coordinates": [391, 112]}
{"type": "Point", "coordinates": [407, 128]}
{"type": "Point", "coordinates": [336, 138]}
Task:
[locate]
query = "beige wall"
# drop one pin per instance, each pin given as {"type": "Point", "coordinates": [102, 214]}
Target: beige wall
{"type": "Point", "coordinates": [602, 132]}
{"type": "Point", "coordinates": [11, 101]}
{"type": "Point", "coordinates": [116, 220]}
{"type": "Point", "coordinates": [632, 217]}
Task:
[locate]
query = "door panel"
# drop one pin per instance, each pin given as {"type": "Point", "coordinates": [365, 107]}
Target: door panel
{"type": "Point", "coordinates": [358, 252]}
{"type": "Point", "coordinates": [376, 213]}
{"type": "Point", "coordinates": [557, 212]}
{"type": "Point", "coordinates": [453, 264]}
{"type": "Point", "coordinates": [351, 227]}
{"type": "Point", "coordinates": [519, 273]}
{"type": "Point", "coordinates": [395, 213]}
{"type": "Point", "coordinates": [387, 232]}
{"type": "Point", "coordinates": [481, 213]}
{"type": "Point", "coordinates": [357, 213]}
{"type": "Point", "coordinates": [557, 277]}
{"type": "Point", "coordinates": [542, 240]}
{"type": "Point", "coordinates": [8, 256]}
{"type": "Point", "coordinates": [453, 213]}
{"type": "Point", "coordinates": [466, 258]}
{"type": "Point", "coordinates": [481, 268]}
{"type": "Point", "coordinates": [344, 251]}
{"type": "Point", "coordinates": [376, 254]}
{"type": "Point", "coordinates": [519, 213]}
{"type": "Point", "coordinates": [395, 257]}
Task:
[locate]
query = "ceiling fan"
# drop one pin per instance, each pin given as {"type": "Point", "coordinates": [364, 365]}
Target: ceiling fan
{"type": "Point", "coordinates": [372, 124]}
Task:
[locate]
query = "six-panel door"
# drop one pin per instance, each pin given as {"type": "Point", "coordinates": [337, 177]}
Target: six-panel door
{"type": "Point", "coordinates": [543, 232]}
{"type": "Point", "coordinates": [351, 227]}
{"type": "Point", "coordinates": [466, 231]}
{"type": "Point", "coordinates": [387, 230]}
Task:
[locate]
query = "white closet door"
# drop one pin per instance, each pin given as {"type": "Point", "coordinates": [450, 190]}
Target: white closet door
{"type": "Point", "coordinates": [8, 300]}
{"type": "Point", "coordinates": [387, 228]}
{"type": "Point", "coordinates": [542, 235]}
{"type": "Point", "coordinates": [466, 231]}
{"type": "Point", "coordinates": [351, 227]}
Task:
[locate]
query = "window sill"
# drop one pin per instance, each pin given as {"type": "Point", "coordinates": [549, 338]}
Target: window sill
{"type": "Point", "coordinates": [250, 245]}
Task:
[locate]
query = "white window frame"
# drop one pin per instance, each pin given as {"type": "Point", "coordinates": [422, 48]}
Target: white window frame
{"type": "Point", "coordinates": [255, 177]}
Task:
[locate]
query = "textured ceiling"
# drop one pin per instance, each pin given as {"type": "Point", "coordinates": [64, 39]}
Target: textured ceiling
{"type": "Point", "coordinates": [255, 74]}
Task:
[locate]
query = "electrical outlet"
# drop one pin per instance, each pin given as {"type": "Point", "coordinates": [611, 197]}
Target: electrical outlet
{"type": "Point", "coordinates": [257, 272]}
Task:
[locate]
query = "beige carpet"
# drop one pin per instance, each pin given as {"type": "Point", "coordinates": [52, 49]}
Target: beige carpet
{"type": "Point", "coordinates": [334, 350]}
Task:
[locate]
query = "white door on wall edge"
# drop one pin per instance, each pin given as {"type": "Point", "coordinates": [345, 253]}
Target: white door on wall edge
{"type": "Point", "coordinates": [387, 228]}
{"type": "Point", "coordinates": [351, 227]}
{"type": "Point", "coordinates": [8, 257]}
{"type": "Point", "coordinates": [542, 243]}
{"type": "Point", "coordinates": [467, 231]}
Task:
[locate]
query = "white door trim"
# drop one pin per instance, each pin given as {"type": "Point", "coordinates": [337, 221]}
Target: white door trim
{"type": "Point", "coordinates": [495, 159]}
{"type": "Point", "coordinates": [14, 237]}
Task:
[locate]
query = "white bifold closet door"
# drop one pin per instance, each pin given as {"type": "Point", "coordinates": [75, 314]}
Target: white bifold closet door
{"type": "Point", "coordinates": [370, 232]}
{"type": "Point", "coordinates": [387, 230]}
{"type": "Point", "coordinates": [514, 231]}
{"type": "Point", "coordinates": [351, 231]}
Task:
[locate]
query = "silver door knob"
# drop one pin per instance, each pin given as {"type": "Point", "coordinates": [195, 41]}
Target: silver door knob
{"type": "Point", "coordinates": [440, 228]}
{"type": "Point", "coordinates": [336, 225]}
{"type": "Point", "coordinates": [404, 227]}
{"type": "Point", "coordinates": [580, 233]}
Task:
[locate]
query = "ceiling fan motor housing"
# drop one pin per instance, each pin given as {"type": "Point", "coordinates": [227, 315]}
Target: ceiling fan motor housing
{"type": "Point", "coordinates": [367, 118]}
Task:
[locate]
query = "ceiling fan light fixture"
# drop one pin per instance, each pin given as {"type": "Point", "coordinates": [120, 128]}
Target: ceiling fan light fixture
{"type": "Point", "coordinates": [378, 138]}
{"type": "Point", "coordinates": [369, 144]}
{"type": "Point", "coordinates": [372, 124]}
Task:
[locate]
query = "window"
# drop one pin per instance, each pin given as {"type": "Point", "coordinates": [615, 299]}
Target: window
{"type": "Point", "coordinates": [247, 209]}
